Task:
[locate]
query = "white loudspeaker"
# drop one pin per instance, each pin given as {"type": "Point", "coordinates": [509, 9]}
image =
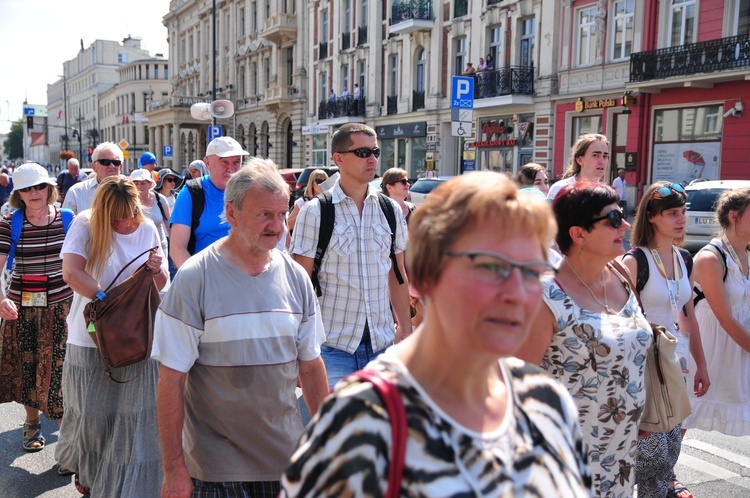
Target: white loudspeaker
{"type": "Point", "coordinates": [201, 112]}
{"type": "Point", "coordinates": [222, 108]}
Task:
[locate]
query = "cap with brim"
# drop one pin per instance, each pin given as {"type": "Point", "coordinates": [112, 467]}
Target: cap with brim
{"type": "Point", "coordinates": [30, 174]}
{"type": "Point", "coordinates": [139, 175]}
{"type": "Point", "coordinates": [163, 173]}
{"type": "Point", "coordinates": [225, 147]}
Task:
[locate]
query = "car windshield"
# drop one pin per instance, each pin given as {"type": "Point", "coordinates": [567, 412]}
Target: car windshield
{"type": "Point", "coordinates": [424, 186]}
{"type": "Point", "coordinates": [703, 200]}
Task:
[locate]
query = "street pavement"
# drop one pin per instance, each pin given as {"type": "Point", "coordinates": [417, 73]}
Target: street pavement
{"type": "Point", "coordinates": [711, 465]}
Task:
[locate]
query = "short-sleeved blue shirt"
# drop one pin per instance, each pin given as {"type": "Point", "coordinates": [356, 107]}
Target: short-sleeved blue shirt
{"type": "Point", "coordinates": [211, 227]}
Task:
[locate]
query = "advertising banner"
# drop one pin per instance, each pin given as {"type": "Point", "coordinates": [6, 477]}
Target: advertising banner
{"type": "Point", "coordinates": [684, 162]}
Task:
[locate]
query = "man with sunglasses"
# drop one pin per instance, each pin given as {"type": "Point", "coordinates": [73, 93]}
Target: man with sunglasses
{"type": "Point", "coordinates": [357, 281]}
{"type": "Point", "coordinates": [107, 161]}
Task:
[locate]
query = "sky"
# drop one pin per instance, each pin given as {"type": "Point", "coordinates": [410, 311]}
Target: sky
{"type": "Point", "coordinates": [37, 36]}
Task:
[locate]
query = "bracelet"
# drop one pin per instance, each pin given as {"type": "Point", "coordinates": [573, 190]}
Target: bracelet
{"type": "Point", "coordinates": [101, 295]}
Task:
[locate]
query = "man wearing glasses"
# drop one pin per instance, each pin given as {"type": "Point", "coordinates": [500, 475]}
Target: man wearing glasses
{"type": "Point", "coordinates": [106, 161]}
{"type": "Point", "coordinates": [356, 268]}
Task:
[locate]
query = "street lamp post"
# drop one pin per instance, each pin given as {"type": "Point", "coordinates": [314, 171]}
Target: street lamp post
{"type": "Point", "coordinates": [65, 107]}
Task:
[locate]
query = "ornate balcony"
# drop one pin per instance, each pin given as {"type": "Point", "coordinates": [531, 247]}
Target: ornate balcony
{"type": "Point", "coordinates": [361, 35]}
{"type": "Point", "coordinates": [341, 107]}
{"type": "Point", "coordinates": [346, 41]}
{"type": "Point", "coordinates": [393, 104]}
{"type": "Point", "coordinates": [417, 99]}
{"type": "Point", "coordinates": [277, 94]}
{"type": "Point", "coordinates": [504, 81]}
{"type": "Point", "coordinates": [280, 28]}
{"type": "Point", "coordinates": [723, 54]}
{"type": "Point", "coordinates": [322, 51]}
{"type": "Point", "coordinates": [408, 16]}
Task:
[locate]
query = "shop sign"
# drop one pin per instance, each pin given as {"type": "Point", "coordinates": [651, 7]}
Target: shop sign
{"type": "Point", "coordinates": [406, 130]}
{"type": "Point", "coordinates": [188, 101]}
{"type": "Point", "coordinates": [586, 105]}
{"type": "Point", "coordinates": [495, 133]}
{"type": "Point", "coordinates": [630, 160]}
{"type": "Point", "coordinates": [314, 130]}
{"type": "Point", "coordinates": [431, 147]}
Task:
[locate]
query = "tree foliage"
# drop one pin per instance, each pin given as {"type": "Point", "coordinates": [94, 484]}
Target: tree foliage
{"type": "Point", "coordinates": [13, 145]}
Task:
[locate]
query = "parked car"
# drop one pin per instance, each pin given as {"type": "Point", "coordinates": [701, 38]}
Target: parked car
{"type": "Point", "coordinates": [423, 187]}
{"type": "Point", "coordinates": [305, 176]}
{"type": "Point", "coordinates": [290, 176]}
{"type": "Point", "coordinates": [701, 224]}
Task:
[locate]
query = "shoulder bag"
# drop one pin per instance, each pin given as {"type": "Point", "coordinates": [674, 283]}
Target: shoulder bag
{"type": "Point", "coordinates": [667, 402]}
{"type": "Point", "coordinates": [122, 325]}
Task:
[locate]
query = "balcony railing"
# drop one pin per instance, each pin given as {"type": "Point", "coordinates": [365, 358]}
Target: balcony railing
{"type": "Point", "coordinates": [709, 56]}
{"type": "Point", "coordinates": [402, 11]}
{"type": "Point", "coordinates": [417, 99]}
{"type": "Point", "coordinates": [460, 8]}
{"type": "Point", "coordinates": [393, 104]}
{"type": "Point", "coordinates": [322, 50]}
{"type": "Point", "coordinates": [342, 107]}
{"type": "Point", "coordinates": [504, 81]}
{"type": "Point", "coordinates": [361, 35]}
{"type": "Point", "coordinates": [346, 40]}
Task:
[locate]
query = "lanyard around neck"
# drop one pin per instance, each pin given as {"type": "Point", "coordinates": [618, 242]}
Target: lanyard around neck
{"type": "Point", "coordinates": [674, 292]}
{"type": "Point", "coordinates": [734, 255]}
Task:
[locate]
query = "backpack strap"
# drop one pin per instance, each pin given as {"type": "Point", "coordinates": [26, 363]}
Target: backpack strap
{"type": "Point", "coordinates": [327, 218]}
{"type": "Point", "coordinates": [688, 259]}
{"type": "Point", "coordinates": [67, 218]}
{"type": "Point", "coordinates": [641, 263]}
{"type": "Point", "coordinates": [710, 247]}
{"type": "Point", "coordinates": [390, 215]}
{"type": "Point", "coordinates": [198, 198]}
{"type": "Point", "coordinates": [16, 224]}
{"type": "Point", "coordinates": [161, 208]}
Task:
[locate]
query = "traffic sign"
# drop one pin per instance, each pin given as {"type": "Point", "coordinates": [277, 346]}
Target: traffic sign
{"type": "Point", "coordinates": [167, 151]}
{"type": "Point", "coordinates": [459, 129]}
{"type": "Point", "coordinates": [462, 94]}
{"type": "Point", "coordinates": [463, 115]}
{"type": "Point", "coordinates": [123, 144]}
{"type": "Point", "coordinates": [214, 131]}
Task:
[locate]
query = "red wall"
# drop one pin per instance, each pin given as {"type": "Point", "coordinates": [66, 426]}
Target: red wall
{"type": "Point", "coordinates": [710, 20]}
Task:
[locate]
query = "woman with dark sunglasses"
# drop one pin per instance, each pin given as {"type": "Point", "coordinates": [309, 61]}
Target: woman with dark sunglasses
{"type": "Point", "coordinates": [658, 231]}
{"type": "Point", "coordinates": [395, 184]}
{"type": "Point", "coordinates": [591, 334]}
{"type": "Point", "coordinates": [724, 319]}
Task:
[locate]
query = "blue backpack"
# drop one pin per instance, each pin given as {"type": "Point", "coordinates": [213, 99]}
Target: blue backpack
{"type": "Point", "coordinates": [16, 224]}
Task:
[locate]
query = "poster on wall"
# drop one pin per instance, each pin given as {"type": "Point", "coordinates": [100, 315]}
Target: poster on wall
{"type": "Point", "coordinates": [684, 162]}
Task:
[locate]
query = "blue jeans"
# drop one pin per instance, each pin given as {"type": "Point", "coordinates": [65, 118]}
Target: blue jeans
{"type": "Point", "coordinates": [339, 364]}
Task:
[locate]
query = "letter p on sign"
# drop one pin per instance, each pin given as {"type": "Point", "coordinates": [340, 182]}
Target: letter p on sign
{"type": "Point", "coordinates": [463, 92]}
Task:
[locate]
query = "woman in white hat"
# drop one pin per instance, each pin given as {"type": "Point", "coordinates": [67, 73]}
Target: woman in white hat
{"type": "Point", "coordinates": [155, 206]}
{"type": "Point", "coordinates": [35, 307]}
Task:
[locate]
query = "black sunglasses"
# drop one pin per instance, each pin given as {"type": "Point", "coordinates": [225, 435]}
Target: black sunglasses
{"type": "Point", "coordinates": [363, 152]}
{"type": "Point", "coordinates": [170, 179]}
{"type": "Point", "coordinates": [403, 181]}
{"type": "Point", "coordinates": [320, 180]}
{"type": "Point", "coordinates": [614, 217]}
{"type": "Point", "coordinates": [41, 186]}
{"type": "Point", "coordinates": [107, 162]}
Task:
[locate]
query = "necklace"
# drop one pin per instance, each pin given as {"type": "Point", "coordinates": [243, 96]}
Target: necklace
{"type": "Point", "coordinates": [604, 304]}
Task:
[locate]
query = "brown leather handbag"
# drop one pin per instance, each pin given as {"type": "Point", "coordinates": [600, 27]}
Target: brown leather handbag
{"type": "Point", "coordinates": [123, 323]}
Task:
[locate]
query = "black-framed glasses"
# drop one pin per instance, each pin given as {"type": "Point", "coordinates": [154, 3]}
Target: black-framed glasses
{"type": "Point", "coordinates": [170, 179]}
{"type": "Point", "coordinates": [363, 152]}
{"type": "Point", "coordinates": [614, 217]}
{"type": "Point", "coordinates": [667, 190]}
{"type": "Point", "coordinates": [107, 162]}
{"type": "Point", "coordinates": [493, 268]}
{"type": "Point", "coordinates": [40, 186]}
{"type": "Point", "coordinates": [320, 180]}
{"type": "Point", "coordinates": [403, 181]}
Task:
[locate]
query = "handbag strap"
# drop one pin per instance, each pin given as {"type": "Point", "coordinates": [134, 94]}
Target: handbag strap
{"type": "Point", "coordinates": [626, 275]}
{"type": "Point", "coordinates": [123, 268]}
{"type": "Point", "coordinates": [394, 405]}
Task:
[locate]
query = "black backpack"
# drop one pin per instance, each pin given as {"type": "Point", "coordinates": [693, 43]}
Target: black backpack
{"type": "Point", "coordinates": [642, 273]}
{"type": "Point", "coordinates": [699, 296]}
{"type": "Point", "coordinates": [198, 197]}
{"type": "Point", "coordinates": [327, 218]}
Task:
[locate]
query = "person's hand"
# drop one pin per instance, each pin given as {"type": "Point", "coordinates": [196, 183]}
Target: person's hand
{"type": "Point", "coordinates": [177, 484]}
{"type": "Point", "coordinates": [701, 382]}
{"type": "Point", "coordinates": [8, 310]}
{"type": "Point", "coordinates": [154, 262]}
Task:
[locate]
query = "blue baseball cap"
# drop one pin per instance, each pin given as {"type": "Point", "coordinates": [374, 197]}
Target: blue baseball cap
{"type": "Point", "coordinates": [146, 158]}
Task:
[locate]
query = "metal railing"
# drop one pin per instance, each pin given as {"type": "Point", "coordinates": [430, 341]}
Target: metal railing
{"type": "Point", "coordinates": [346, 40]}
{"type": "Point", "coordinates": [361, 35]}
{"type": "Point", "coordinates": [392, 107]}
{"type": "Point", "coordinates": [408, 10]}
{"type": "Point", "coordinates": [342, 107]}
{"type": "Point", "coordinates": [504, 81]}
{"type": "Point", "coordinates": [703, 57]}
{"type": "Point", "coordinates": [322, 50]}
{"type": "Point", "coordinates": [417, 99]}
{"type": "Point", "coordinates": [460, 8]}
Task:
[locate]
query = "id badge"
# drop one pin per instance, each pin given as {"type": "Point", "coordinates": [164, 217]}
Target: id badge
{"type": "Point", "coordinates": [34, 291]}
{"type": "Point", "coordinates": [683, 351]}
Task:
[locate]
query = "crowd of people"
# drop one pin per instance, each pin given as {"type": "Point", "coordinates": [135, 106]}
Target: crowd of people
{"type": "Point", "coordinates": [479, 380]}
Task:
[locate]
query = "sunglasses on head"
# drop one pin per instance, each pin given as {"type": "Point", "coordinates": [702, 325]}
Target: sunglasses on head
{"type": "Point", "coordinates": [107, 162]}
{"type": "Point", "coordinates": [614, 217]}
{"type": "Point", "coordinates": [667, 190]}
{"type": "Point", "coordinates": [363, 152]}
{"type": "Point", "coordinates": [41, 186]}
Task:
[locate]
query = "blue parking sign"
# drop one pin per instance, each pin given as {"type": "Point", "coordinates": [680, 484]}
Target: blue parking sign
{"type": "Point", "coordinates": [167, 152]}
{"type": "Point", "coordinates": [462, 93]}
{"type": "Point", "coordinates": [214, 131]}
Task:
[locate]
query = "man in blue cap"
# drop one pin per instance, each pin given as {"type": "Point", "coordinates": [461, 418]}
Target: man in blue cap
{"type": "Point", "coordinates": [148, 161]}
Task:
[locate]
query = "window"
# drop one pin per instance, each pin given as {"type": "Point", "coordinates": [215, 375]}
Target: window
{"type": "Point", "coordinates": [319, 150]}
{"type": "Point", "coordinates": [347, 16]}
{"type": "Point", "coordinates": [393, 76]}
{"type": "Point", "coordinates": [459, 45]}
{"type": "Point", "coordinates": [345, 78]}
{"type": "Point", "coordinates": [241, 21]}
{"type": "Point", "coordinates": [742, 15]}
{"type": "Point", "coordinates": [421, 61]}
{"type": "Point", "coordinates": [494, 39]}
{"type": "Point", "coordinates": [688, 124]}
{"type": "Point", "coordinates": [622, 45]}
{"type": "Point", "coordinates": [363, 16]}
{"type": "Point", "coordinates": [586, 36]}
{"type": "Point", "coordinates": [585, 124]}
{"type": "Point", "coordinates": [362, 72]}
{"type": "Point", "coordinates": [268, 10]}
{"type": "Point", "coordinates": [267, 72]}
{"type": "Point", "coordinates": [324, 25]}
{"type": "Point", "coordinates": [526, 47]}
{"type": "Point", "coordinates": [682, 22]}
{"type": "Point", "coordinates": [323, 86]}
{"type": "Point", "coordinates": [253, 17]}
{"type": "Point", "coordinates": [254, 76]}
{"type": "Point", "coordinates": [290, 66]}
{"type": "Point", "coordinates": [241, 90]}
{"type": "Point", "coordinates": [122, 58]}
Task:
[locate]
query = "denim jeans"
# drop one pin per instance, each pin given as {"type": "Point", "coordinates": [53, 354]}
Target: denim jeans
{"type": "Point", "coordinates": [339, 364]}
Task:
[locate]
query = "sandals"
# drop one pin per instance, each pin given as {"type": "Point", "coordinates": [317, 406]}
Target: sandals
{"type": "Point", "coordinates": [63, 471]}
{"type": "Point", "coordinates": [37, 437]}
{"type": "Point", "coordinates": [81, 489]}
{"type": "Point", "coordinates": [674, 491]}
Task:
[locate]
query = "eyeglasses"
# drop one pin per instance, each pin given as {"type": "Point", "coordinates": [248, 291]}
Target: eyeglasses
{"type": "Point", "coordinates": [107, 162]}
{"type": "Point", "coordinates": [363, 152]}
{"type": "Point", "coordinates": [41, 186]}
{"type": "Point", "coordinates": [495, 269]}
{"type": "Point", "coordinates": [320, 180]}
{"type": "Point", "coordinates": [403, 181]}
{"type": "Point", "coordinates": [169, 179]}
{"type": "Point", "coordinates": [667, 190]}
{"type": "Point", "coordinates": [614, 217]}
